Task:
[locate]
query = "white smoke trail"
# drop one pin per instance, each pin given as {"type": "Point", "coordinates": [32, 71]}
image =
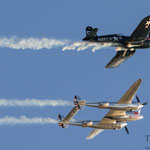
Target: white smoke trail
{"type": "Point", "coordinates": [33, 102]}
{"type": "Point", "coordinates": [40, 43]}
{"type": "Point", "coordinates": [80, 46]}
{"type": "Point", "coordinates": [23, 120]}
{"type": "Point", "coordinates": [31, 43]}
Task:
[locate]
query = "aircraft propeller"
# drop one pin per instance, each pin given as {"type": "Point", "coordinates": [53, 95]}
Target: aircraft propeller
{"type": "Point", "coordinates": [138, 100]}
{"type": "Point", "coordinates": [126, 130]}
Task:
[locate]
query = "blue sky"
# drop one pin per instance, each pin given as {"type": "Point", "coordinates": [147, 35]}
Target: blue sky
{"type": "Point", "coordinates": [54, 74]}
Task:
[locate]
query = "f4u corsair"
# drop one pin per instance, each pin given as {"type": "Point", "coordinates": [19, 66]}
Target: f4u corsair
{"type": "Point", "coordinates": [126, 45]}
{"type": "Point", "coordinates": [122, 111]}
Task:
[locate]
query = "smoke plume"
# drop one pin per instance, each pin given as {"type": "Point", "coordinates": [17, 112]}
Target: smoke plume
{"type": "Point", "coordinates": [23, 120]}
{"type": "Point", "coordinates": [33, 103]}
{"type": "Point", "coordinates": [47, 43]}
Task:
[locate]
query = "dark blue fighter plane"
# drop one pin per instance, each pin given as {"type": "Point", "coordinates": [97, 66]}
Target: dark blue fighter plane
{"type": "Point", "coordinates": [125, 45]}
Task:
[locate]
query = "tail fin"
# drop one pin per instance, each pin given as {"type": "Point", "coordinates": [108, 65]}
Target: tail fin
{"type": "Point", "coordinates": [60, 117]}
{"type": "Point", "coordinates": [78, 103]}
{"type": "Point", "coordinates": [88, 30]}
{"type": "Point", "coordinates": [61, 124]}
{"type": "Point", "coordinates": [90, 33]}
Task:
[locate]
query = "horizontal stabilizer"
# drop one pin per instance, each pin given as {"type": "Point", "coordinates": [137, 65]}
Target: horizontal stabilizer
{"type": "Point", "coordinates": [71, 114]}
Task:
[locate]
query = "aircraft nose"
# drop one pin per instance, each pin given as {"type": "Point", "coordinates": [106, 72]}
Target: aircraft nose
{"type": "Point", "coordinates": [124, 124]}
{"type": "Point", "coordinates": [140, 106]}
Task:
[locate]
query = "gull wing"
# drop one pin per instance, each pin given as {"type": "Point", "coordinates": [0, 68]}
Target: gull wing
{"type": "Point", "coordinates": [142, 30]}
{"type": "Point", "coordinates": [119, 58]}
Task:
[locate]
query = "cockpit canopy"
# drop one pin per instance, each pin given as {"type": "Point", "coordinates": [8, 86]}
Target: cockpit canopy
{"type": "Point", "coordinates": [119, 34]}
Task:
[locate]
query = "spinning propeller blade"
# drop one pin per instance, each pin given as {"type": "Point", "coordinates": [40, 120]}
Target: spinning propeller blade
{"type": "Point", "coordinates": [144, 103]}
{"type": "Point", "coordinates": [138, 100]}
{"type": "Point", "coordinates": [126, 130]}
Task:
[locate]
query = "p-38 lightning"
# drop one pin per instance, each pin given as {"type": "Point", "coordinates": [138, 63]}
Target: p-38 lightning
{"type": "Point", "coordinates": [115, 119]}
{"type": "Point", "coordinates": [126, 45]}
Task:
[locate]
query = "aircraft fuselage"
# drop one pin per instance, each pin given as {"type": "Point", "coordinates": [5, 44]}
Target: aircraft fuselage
{"type": "Point", "coordinates": [125, 107]}
{"type": "Point", "coordinates": [129, 116]}
{"type": "Point", "coordinates": [118, 40]}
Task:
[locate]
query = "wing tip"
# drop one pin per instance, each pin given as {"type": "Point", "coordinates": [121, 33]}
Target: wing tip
{"type": "Point", "coordinates": [107, 66]}
{"type": "Point", "coordinates": [139, 80]}
{"type": "Point", "coordinates": [110, 67]}
{"type": "Point", "coordinates": [88, 138]}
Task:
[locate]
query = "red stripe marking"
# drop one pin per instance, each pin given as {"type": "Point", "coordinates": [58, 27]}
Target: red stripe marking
{"type": "Point", "coordinates": [136, 113]}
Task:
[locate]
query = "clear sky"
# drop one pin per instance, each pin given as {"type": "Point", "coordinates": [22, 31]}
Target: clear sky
{"type": "Point", "coordinates": [54, 74]}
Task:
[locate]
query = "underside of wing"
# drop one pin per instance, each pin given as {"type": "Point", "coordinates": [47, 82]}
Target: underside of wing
{"type": "Point", "coordinates": [142, 30]}
{"type": "Point", "coordinates": [119, 58]}
{"type": "Point", "coordinates": [112, 113]}
{"type": "Point", "coordinates": [105, 120]}
{"type": "Point", "coordinates": [94, 133]}
{"type": "Point", "coordinates": [129, 95]}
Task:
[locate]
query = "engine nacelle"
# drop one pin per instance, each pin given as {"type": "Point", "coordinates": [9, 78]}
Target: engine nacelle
{"type": "Point", "coordinates": [82, 103]}
{"type": "Point", "coordinates": [87, 124]}
{"type": "Point", "coordinates": [103, 105]}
